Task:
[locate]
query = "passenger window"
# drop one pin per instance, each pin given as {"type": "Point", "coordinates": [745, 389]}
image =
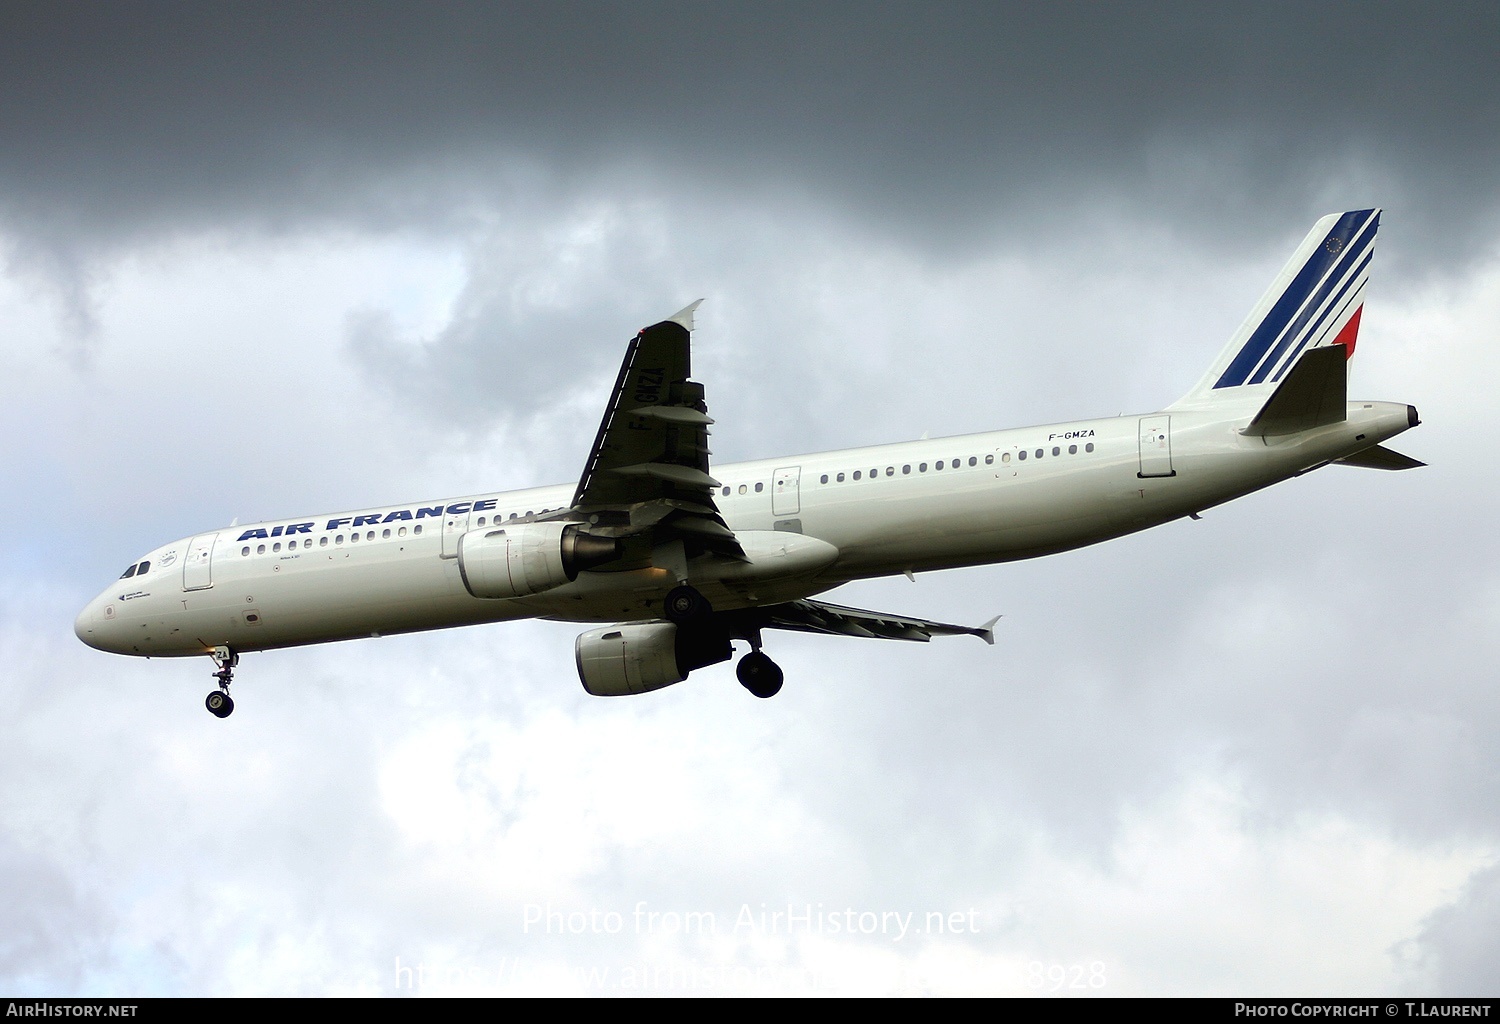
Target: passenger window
{"type": "Point", "coordinates": [743, 489]}
{"type": "Point", "coordinates": [1005, 457]}
{"type": "Point", "coordinates": [890, 471]}
{"type": "Point", "coordinates": [1039, 453]}
{"type": "Point", "coordinates": [906, 469]}
{"type": "Point", "coordinates": [276, 546]}
{"type": "Point", "coordinates": [322, 542]}
{"type": "Point", "coordinates": [353, 538]}
{"type": "Point", "coordinates": [856, 474]}
{"type": "Point", "coordinates": [759, 487]}
{"type": "Point", "coordinates": [922, 467]}
{"type": "Point", "coordinates": [386, 533]}
{"type": "Point", "coordinates": [940, 464]}
{"type": "Point", "coordinates": [1072, 449]}
{"type": "Point", "coordinates": [370, 535]}
{"type": "Point", "coordinates": [823, 479]}
{"type": "Point", "coordinates": [989, 460]}
{"type": "Point", "coordinates": [1089, 447]}
{"type": "Point", "coordinates": [415, 530]}
{"type": "Point", "coordinates": [401, 532]}
{"type": "Point", "coordinates": [1021, 455]}
{"type": "Point", "coordinates": [1056, 450]}
{"type": "Point", "coordinates": [245, 551]}
{"type": "Point", "coordinates": [339, 539]}
{"type": "Point", "coordinates": [973, 461]}
{"type": "Point", "coordinates": [841, 478]}
{"type": "Point", "coordinates": [726, 492]}
{"type": "Point", "coordinates": [260, 549]}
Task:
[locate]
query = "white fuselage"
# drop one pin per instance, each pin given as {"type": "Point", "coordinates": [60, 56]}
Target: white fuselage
{"type": "Point", "coordinates": [886, 510]}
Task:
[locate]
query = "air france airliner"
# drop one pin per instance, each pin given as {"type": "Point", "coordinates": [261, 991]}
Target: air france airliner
{"type": "Point", "coordinates": [677, 560]}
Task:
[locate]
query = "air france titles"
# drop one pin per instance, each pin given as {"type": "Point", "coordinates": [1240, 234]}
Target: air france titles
{"type": "Point", "coordinates": [458, 508]}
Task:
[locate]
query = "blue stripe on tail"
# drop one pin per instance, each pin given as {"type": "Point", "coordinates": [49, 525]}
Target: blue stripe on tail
{"type": "Point", "coordinates": [1324, 258]}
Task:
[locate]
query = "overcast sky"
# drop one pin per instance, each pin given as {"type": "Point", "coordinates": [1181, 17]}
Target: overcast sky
{"type": "Point", "coordinates": [286, 259]}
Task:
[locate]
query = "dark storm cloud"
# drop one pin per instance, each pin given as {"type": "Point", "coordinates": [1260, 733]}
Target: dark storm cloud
{"type": "Point", "coordinates": [934, 120]}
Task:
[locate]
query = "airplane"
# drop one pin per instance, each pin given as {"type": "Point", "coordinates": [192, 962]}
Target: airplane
{"type": "Point", "coordinates": [679, 560]}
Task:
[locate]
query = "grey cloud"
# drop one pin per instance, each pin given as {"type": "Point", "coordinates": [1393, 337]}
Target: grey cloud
{"type": "Point", "coordinates": [51, 933]}
{"type": "Point", "coordinates": [939, 123]}
{"type": "Point", "coordinates": [1462, 939]}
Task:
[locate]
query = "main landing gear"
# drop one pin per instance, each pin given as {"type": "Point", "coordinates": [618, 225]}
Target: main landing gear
{"type": "Point", "coordinates": [686, 607]}
{"type": "Point", "coordinates": [218, 701]}
{"type": "Point", "coordinates": [759, 674]}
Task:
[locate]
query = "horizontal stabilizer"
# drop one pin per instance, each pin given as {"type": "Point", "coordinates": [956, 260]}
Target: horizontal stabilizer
{"type": "Point", "coordinates": [1380, 458]}
{"type": "Point", "coordinates": [1314, 394]}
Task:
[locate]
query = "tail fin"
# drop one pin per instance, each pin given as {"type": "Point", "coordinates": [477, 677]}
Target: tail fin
{"type": "Point", "coordinates": [1314, 302]}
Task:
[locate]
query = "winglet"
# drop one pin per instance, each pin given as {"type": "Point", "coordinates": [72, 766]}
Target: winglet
{"type": "Point", "coordinates": [684, 316]}
{"type": "Point", "coordinates": [986, 632]}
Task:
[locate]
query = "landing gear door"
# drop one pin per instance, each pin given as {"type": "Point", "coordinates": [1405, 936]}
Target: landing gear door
{"type": "Point", "coordinates": [455, 525]}
{"type": "Point", "coordinates": [197, 567]}
{"type": "Point", "coordinates": [785, 497]}
{"type": "Point", "coordinates": [1156, 446]}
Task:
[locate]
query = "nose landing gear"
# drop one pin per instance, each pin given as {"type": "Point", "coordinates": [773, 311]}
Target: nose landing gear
{"type": "Point", "coordinates": [218, 702]}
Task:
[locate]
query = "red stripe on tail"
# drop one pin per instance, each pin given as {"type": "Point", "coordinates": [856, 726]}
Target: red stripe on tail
{"type": "Point", "coordinates": [1350, 333]}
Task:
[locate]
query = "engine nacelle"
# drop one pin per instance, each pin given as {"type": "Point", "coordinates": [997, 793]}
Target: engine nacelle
{"type": "Point", "coordinates": [528, 558]}
{"type": "Point", "coordinates": [617, 661]}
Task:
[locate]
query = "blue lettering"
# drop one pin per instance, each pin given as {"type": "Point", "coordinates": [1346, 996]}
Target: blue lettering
{"type": "Point", "coordinates": [458, 508]}
{"type": "Point", "coordinates": [276, 530]}
{"type": "Point", "coordinates": [403, 514]}
{"type": "Point", "coordinates": [436, 510]}
{"type": "Point", "coordinates": [485, 505]}
{"type": "Point", "coordinates": [365, 521]}
{"type": "Point", "coordinates": [253, 535]}
{"type": "Point", "coordinates": [334, 524]}
{"type": "Point", "coordinates": [299, 528]}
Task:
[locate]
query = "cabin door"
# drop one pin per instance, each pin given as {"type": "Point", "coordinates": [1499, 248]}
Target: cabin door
{"type": "Point", "coordinates": [197, 567]}
{"type": "Point", "coordinates": [1156, 446]}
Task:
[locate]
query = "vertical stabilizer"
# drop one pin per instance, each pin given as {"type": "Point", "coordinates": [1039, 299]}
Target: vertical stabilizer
{"type": "Point", "coordinates": [1313, 303]}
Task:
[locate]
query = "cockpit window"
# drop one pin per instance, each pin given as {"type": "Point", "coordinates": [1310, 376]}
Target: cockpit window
{"type": "Point", "coordinates": [128, 573]}
{"type": "Point", "coordinates": [144, 568]}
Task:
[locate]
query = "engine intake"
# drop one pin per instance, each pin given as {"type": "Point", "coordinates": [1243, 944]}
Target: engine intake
{"type": "Point", "coordinates": [617, 661]}
{"type": "Point", "coordinates": [525, 559]}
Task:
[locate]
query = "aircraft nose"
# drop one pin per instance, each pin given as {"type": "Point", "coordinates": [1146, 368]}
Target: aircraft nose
{"type": "Point", "coordinates": [86, 626]}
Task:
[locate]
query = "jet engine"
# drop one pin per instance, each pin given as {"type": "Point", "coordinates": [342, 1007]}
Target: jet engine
{"type": "Point", "coordinates": [518, 560]}
{"type": "Point", "coordinates": [639, 657]}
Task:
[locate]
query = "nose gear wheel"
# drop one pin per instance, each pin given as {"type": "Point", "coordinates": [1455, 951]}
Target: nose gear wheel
{"type": "Point", "coordinates": [218, 702]}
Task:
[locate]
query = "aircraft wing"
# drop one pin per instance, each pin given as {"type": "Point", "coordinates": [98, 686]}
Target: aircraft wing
{"type": "Point", "coordinates": [821, 617]}
{"type": "Point", "coordinates": [648, 469]}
